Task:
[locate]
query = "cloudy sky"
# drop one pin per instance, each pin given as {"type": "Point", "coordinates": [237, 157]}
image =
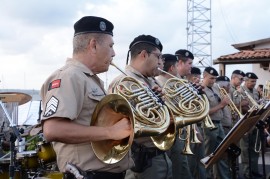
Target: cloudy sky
{"type": "Point", "coordinates": [36, 36]}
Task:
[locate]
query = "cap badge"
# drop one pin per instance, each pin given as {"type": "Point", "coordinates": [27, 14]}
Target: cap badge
{"type": "Point", "coordinates": [211, 71]}
{"type": "Point", "coordinates": [249, 75]}
{"type": "Point", "coordinates": [102, 26]}
{"type": "Point", "coordinates": [226, 78]}
{"type": "Point", "coordinates": [186, 54]}
{"type": "Point", "coordinates": [157, 41]}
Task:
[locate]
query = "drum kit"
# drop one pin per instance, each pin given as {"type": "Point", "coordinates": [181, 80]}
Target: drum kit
{"type": "Point", "coordinates": [37, 163]}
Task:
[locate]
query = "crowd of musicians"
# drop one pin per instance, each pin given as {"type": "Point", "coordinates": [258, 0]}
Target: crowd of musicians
{"type": "Point", "coordinates": [71, 94]}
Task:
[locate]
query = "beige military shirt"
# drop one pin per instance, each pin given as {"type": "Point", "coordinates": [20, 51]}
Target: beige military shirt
{"type": "Point", "coordinates": [214, 97]}
{"type": "Point", "coordinates": [146, 141]}
{"type": "Point", "coordinates": [161, 80]}
{"type": "Point", "coordinates": [72, 92]}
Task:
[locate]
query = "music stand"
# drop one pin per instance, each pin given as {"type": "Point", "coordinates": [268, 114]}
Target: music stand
{"type": "Point", "coordinates": [229, 143]}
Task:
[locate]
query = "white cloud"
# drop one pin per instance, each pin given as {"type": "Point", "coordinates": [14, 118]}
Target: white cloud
{"type": "Point", "coordinates": [36, 36]}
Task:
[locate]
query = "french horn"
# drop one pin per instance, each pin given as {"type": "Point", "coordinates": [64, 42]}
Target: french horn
{"type": "Point", "coordinates": [183, 99]}
{"type": "Point", "coordinates": [148, 115]}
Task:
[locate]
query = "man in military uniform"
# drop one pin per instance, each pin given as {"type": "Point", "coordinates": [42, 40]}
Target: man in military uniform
{"type": "Point", "coordinates": [185, 60]}
{"type": "Point", "coordinates": [236, 80]}
{"type": "Point", "coordinates": [180, 169]}
{"type": "Point", "coordinates": [224, 82]}
{"type": "Point", "coordinates": [195, 75]}
{"type": "Point", "coordinates": [216, 112]}
{"type": "Point", "coordinates": [198, 149]}
{"type": "Point", "coordinates": [69, 98]}
{"type": "Point", "coordinates": [247, 143]}
{"type": "Point", "coordinates": [180, 164]}
{"type": "Point", "coordinates": [150, 162]}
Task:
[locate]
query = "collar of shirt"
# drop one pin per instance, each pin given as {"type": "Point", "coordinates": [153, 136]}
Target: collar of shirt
{"type": "Point", "coordinates": [83, 68]}
{"type": "Point", "coordinates": [148, 80]}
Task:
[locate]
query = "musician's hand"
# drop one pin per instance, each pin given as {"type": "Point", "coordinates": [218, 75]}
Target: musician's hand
{"type": "Point", "coordinates": [244, 102]}
{"type": "Point", "coordinates": [225, 101]}
{"type": "Point", "coordinates": [199, 87]}
{"type": "Point", "coordinates": [157, 90]}
{"type": "Point", "coordinates": [121, 129]}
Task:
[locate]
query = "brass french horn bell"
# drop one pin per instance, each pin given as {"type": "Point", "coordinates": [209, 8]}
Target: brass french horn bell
{"type": "Point", "coordinates": [108, 111]}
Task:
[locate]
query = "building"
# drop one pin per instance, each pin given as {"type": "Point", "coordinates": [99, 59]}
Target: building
{"type": "Point", "coordinates": [256, 53]}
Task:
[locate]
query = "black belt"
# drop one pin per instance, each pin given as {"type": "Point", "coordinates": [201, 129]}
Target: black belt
{"type": "Point", "coordinates": [97, 175]}
{"type": "Point", "coordinates": [152, 152]}
{"type": "Point", "coordinates": [215, 121]}
{"type": "Point", "coordinates": [226, 127]}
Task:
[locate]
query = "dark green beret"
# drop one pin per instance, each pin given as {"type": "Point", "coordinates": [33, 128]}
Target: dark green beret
{"type": "Point", "coordinates": [146, 39]}
{"type": "Point", "coordinates": [211, 71]}
{"type": "Point", "coordinates": [184, 53]}
{"type": "Point", "coordinates": [251, 75]}
{"type": "Point", "coordinates": [195, 71]}
{"type": "Point", "coordinates": [239, 72]}
{"type": "Point", "coordinates": [92, 24]}
{"type": "Point", "coordinates": [223, 78]}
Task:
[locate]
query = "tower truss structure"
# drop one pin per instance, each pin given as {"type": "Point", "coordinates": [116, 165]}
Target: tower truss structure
{"type": "Point", "coordinates": [199, 36]}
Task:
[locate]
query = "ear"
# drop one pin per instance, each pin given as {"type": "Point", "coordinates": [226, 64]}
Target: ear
{"type": "Point", "coordinates": [172, 68]}
{"type": "Point", "coordinates": [143, 54]}
{"type": "Point", "coordinates": [92, 45]}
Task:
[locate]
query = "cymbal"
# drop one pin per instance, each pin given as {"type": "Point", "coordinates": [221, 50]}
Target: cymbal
{"type": "Point", "coordinates": [21, 98]}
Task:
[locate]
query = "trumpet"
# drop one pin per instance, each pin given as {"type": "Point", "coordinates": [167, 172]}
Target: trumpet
{"type": "Point", "coordinates": [266, 92]}
{"type": "Point", "coordinates": [231, 104]}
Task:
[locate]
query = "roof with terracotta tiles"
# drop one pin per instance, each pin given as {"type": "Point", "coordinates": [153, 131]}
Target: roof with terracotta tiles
{"type": "Point", "coordinates": [246, 56]}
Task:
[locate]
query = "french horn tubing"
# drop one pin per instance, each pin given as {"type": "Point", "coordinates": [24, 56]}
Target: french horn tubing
{"type": "Point", "coordinates": [183, 99]}
{"type": "Point", "coordinates": [149, 117]}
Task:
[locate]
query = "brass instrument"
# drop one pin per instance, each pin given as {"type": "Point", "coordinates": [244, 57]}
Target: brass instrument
{"type": "Point", "coordinates": [231, 105]}
{"type": "Point", "coordinates": [208, 123]}
{"type": "Point", "coordinates": [183, 99]}
{"type": "Point", "coordinates": [117, 107]}
{"type": "Point", "coordinates": [266, 91]}
{"type": "Point", "coordinates": [152, 117]}
{"type": "Point", "coordinates": [251, 100]}
{"type": "Point", "coordinates": [257, 149]}
{"type": "Point", "coordinates": [194, 139]}
{"type": "Point", "coordinates": [186, 150]}
{"type": "Point", "coordinates": [148, 116]}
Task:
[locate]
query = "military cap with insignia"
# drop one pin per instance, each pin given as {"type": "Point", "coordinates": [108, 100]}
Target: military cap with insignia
{"type": "Point", "coordinates": [251, 75]}
{"type": "Point", "coordinates": [223, 78]}
{"type": "Point", "coordinates": [93, 24]}
{"type": "Point", "coordinates": [211, 71]}
{"type": "Point", "coordinates": [169, 57]}
{"type": "Point", "coordinates": [195, 71]}
{"type": "Point", "coordinates": [184, 53]}
{"type": "Point", "coordinates": [238, 72]}
{"type": "Point", "coordinates": [146, 39]}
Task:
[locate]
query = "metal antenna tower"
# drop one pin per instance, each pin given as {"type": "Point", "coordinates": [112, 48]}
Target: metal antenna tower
{"type": "Point", "coordinates": [199, 37]}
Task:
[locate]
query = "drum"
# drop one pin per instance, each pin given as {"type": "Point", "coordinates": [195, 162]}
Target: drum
{"type": "Point", "coordinates": [46, 154]}
{"type": "Point", "coordinates": [29, 159]}
{"type": "Point", "coordinates": [53, 175]}
{"type": "Point", "coordinates": [4, 169]}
